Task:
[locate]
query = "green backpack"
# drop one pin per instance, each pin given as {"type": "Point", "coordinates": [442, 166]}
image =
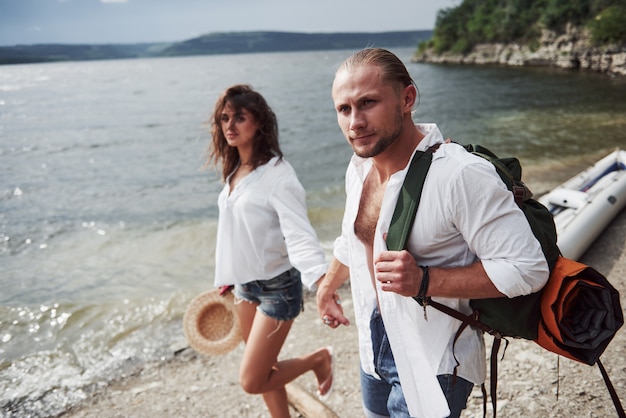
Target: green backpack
{"type": "Point", "coordinates": [501, 317]}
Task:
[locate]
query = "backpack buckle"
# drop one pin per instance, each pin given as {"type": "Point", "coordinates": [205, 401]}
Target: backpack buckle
{"type": "Point", "coordinates": [520, 194]}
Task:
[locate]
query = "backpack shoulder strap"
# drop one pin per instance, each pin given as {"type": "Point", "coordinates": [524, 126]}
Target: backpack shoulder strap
{"type": "Point", "coordinates": [614, 397]}
{"type": "Point", "coordinates": [409, 199]}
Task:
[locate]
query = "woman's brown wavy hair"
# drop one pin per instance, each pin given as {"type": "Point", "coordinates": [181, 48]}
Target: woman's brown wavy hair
{"type": "Point", "coordinates": [266, 146]}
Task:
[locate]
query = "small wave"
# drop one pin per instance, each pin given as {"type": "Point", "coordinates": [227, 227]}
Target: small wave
{"type": "Point", "coordinates": [98, 343]}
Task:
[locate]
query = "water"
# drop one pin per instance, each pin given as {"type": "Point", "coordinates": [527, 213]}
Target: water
{"type": "Point", "coordinates": [107, 219]}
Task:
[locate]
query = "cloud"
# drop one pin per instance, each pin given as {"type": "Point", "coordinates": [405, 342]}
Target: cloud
{"type": "Point", "coordinates": [113, 1]}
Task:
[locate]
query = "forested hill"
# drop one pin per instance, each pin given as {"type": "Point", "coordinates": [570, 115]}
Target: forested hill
{"type": "Point", "coordinates": [475, 22]}
{"type": "Point", "coordinates": [585, 35]}
{"type": "Point", "coordinates": [214, 43]}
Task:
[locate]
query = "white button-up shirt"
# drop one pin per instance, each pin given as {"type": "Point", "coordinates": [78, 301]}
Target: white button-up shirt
{"type": "Point", "coordinates": [264, 230]}
{"type": "Point", "coordinates": [466, 213]}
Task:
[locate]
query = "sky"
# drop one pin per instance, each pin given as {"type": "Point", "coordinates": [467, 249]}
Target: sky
{"type": "Point", "coordinates": [25, 22]}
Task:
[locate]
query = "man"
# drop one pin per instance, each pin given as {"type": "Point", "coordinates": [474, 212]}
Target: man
{"type": "Point", "coordinates": [468, 231]}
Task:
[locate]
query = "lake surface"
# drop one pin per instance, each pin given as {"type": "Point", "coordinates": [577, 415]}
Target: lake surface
{"type": "Point", "coordinates": [107, 217]}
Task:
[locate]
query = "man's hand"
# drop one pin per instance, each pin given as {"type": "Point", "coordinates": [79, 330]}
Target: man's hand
{"type": "Point", "coordinates": [328, 302]}
{"type": "Point", "coordinates": [330, 309]}
{"type": "Point", "coordinates": [398, 272]}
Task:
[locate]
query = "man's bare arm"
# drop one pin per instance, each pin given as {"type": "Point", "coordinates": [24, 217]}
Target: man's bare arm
{"type": "Point", "coordinates": [398, 272]}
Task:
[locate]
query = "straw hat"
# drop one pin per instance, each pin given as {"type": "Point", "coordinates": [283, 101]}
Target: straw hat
{"type": "Point", "coordinates": [210, 323]}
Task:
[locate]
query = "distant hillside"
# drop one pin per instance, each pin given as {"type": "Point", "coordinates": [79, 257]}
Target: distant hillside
{"type": "Point", "coordinates": [215, 43]}
{"type": "Point", "coordinates": [24, 54]}
{"type": "Point", "coordinates": [245, 42]}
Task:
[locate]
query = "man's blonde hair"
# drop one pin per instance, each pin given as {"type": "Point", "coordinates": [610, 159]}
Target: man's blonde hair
{"type": "Point", "coordinates": [392, 68]}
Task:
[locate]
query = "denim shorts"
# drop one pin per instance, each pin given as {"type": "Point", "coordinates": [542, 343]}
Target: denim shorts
{"type": "Point", "coordinates": [384, 398]}
{"type": "Point", "coordinates": [279, 298]}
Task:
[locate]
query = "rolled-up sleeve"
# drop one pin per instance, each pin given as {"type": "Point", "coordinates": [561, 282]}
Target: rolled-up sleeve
{"type": "Point", "coordinates": [497, 231]}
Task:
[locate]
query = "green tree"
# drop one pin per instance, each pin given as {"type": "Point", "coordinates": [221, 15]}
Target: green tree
{"type": "Point", "coordinates": [460, 28]}
{"type": "Point", "coordinates": [609, 25]}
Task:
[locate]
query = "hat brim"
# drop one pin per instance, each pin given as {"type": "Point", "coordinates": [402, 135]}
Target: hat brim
{"type": "Point", "coordinates": [210, 323]}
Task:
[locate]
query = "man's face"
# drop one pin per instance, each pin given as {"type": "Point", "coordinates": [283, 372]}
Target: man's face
{"type": "Point", "coordinates": [369, 110]}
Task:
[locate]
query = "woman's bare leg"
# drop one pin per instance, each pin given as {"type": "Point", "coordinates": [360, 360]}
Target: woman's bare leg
{"type": "Point", "coordinates": [275, 400]}
{"type": "Point", "coordinates": [260, 370]}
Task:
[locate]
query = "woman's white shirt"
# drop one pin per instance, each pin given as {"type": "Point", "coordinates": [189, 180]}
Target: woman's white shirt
{"type": "Point", "coordinates": [264, 230]}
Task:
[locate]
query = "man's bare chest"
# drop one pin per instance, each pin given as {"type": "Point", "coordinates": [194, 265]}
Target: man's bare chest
{"type": "Point", "coordinates": [369, 210]}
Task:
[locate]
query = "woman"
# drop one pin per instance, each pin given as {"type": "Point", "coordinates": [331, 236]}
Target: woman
{"type": "Point", "coordinates": [263, 229]}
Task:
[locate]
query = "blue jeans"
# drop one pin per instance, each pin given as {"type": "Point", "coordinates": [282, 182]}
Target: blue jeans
{"type": "Point", "coordinates": [384, 398]}
{"type": "Point", "coordinates": [279, 298]}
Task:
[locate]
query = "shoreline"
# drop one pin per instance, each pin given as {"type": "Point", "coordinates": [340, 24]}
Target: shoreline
{"type": "Point", "coordinates": [190, 385]}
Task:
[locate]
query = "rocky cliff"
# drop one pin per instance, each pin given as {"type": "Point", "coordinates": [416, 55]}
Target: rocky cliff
{"type": "Point", "coordinates": [569, 50]}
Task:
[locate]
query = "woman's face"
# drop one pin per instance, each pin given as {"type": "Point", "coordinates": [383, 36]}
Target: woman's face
{"type": "Point", "coordinates": [239, 128]}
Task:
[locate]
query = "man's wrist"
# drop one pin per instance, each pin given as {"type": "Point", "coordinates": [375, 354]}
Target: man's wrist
{"type": "Point", "coordinates": [423, 290]}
